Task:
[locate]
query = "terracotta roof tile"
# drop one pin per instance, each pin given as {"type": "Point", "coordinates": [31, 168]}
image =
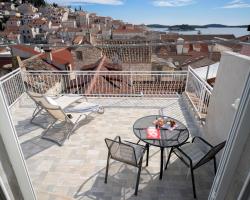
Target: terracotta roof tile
{"type": "Point", "coordinates": [245, 50]}
{"type": "Point", "coordinates": [128, 30]}
{"type": "Point", "coordinates": [26, 48]}
{"type": "Point", "coordinates": [61, 56]}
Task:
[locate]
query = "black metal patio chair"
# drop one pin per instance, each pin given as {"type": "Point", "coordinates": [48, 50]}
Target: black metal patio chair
{"type": "Point", "coordinates": [193, 156]}
{"type": "Point", "coordinates": [126, 152]}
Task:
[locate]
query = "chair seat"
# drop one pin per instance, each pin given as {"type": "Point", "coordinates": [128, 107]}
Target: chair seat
{"type": "Point", "coordinates": [139, 150]}
{"type": "Point", "coordinates": [65, 101]}
{"type": "Point", "coordinates": [193, 150]}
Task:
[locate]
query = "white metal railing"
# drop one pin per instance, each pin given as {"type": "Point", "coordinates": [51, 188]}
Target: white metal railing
{"type": "Point", "coordinates": [12, 86]}
{"type": "Point", "coordinates": [108, 84]}
{"type": "Point", "coordinates": [198, 92]}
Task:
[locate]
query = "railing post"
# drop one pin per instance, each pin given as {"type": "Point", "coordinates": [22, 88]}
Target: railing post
{"type": "Point", "coordinates": [201, 99]}
{"type": "Point", "coordinates": [187, 79]}
{"type": "Point", "coordinates": [131, 83]}
{"type": "Point", "coordinates": [75, 74]}
{"type": "Point", "coordinates": [22, 77]}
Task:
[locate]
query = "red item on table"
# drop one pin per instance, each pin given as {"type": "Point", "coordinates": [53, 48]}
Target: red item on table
{"type": "Point", "coordinates": [153, 133]}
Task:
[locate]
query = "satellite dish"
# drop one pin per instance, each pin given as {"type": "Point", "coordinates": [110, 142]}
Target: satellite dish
{"type": "Point", "coordinates": [248, 29]}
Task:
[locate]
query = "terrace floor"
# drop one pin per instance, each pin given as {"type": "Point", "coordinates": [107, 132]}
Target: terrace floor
{"type": "Point", "coordinates": [76, 170]}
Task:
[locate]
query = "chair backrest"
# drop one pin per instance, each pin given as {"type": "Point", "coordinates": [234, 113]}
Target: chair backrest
{"type": "Point", "coordinates": [35, 96]}
{"type": "Point", "coordinates": [210, 154]}
{"type": "Point", "coordinates": [53, 110]}
{"type": "Point", "coordinates": [121, 151]}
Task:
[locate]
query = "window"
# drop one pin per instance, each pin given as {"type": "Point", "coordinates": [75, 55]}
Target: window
{"type": "Point", "coordinates": [79, 55]}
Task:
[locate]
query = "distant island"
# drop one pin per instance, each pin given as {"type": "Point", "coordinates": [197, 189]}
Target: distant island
{"type": "Point", "coordinates": [186, 27]}
{"type": "Point", "coordinates": [183, 27]}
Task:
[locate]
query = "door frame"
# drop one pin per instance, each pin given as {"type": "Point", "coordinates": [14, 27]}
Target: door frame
{"type": "Point", "coordinates": [234, 147]}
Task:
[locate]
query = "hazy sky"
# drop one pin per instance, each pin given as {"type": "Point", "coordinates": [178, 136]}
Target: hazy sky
{"type": "Point", "coordinates": [169, 12]}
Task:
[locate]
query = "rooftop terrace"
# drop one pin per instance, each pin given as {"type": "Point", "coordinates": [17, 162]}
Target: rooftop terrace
{"type": "Point", "coordinates": [76, 170]}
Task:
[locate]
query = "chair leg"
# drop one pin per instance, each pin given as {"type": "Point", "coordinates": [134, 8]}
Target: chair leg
{"type": "Point", "coordinates": [215, 167]}
{"type": "Point", "coordinates": [138, 180]}
{"type": "Point", "coordinates": [59, 142]}
{"type": "Point", "coordinates": [36, 112]}
{"type": "Point", "coordinates": [193, 182]}
{"type": "Point", "coordinates": [147, 155]}
{"type": "Point", "coordinates": [107, 169]}
{"type": "Point", "coordinates": [44, 136]}
{"type": "Point", "coordinates": [169, 155]}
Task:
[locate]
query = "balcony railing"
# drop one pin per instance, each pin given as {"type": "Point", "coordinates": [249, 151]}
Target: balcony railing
{"type": "Point", "coordinates": [109, 84]}
{"type": "Point", "coordinates": [12, 86]}
{"type": "Point", "coordinates": [198, 92]}
{"type": "Point", "coordinates": [106, 84]}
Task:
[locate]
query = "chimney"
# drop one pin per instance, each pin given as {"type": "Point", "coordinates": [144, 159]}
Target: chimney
{"type": "Point", "coordinates": [179, 46]}
{"type": "Point", "coordinates": [17, 62]}
{"type": "Point", "coordinates": [48, 55]}
{"type": "Point", "coordinates": [68, 67]}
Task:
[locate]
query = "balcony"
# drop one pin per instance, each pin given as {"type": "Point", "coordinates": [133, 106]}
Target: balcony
{"type": "Point", "coordinates": [76, 170]}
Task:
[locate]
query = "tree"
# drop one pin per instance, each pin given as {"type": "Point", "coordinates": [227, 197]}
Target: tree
{"type": "Point", "coordinates": [37, 3]}
{"type": "Point", "coordinates": [55, 5]}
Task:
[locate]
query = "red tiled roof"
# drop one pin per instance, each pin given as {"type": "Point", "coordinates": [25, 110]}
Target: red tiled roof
{"type": "Point", "coordinates": [125, 30]}
{"type": "Point", "coordinates": [174, 37]}
{"type": "Point", "coordinates": [70, 29]}
{"type": "Point", "coordinates": [61, 56]}
{"type": "Point", "coordinates": [245, 50]}
{"type": "Point", "coordinates": [204, 48]}
{"type": "Point", "coordinates": [14, 18]}
{"type": "Point", "coordinates": [26, 49]}
{"type": "Point", "coordinates": [12, 29]}
{"type": "Point", "coordinates": [169, 37]}
{"type": "Point", "coordinates": [39, 21]}
{"type": "Point", "coordinates": [244, 38]}
{"type": "Point", "coordinates": [206, 37]}
{"type": "Point", "coordinates": [195, 56]}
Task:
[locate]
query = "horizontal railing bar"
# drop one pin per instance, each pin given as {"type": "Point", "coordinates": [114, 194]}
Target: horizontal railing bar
{"type": "Point", "coordinates": [6, 76]}
{"type": "Point", "coordinates": [105, 72]}
{"type": "Point", "coordinates": [203, 82]}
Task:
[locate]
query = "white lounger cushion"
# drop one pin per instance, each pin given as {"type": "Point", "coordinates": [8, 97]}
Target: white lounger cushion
{"type": "Point", "coordinates": [51, 101]}
{"type": "Point", "coordinates": [83, 107]}
{"type": "Point", "coordinates": [65, 101]}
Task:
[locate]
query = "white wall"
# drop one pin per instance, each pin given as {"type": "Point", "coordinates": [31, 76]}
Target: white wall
{"type": "Point", "coordinates": [231, 77]}
{"type": "Point", "coordinates": [221, 48]}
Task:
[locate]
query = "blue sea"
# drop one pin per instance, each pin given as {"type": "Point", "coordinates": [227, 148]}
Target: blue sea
{"type": "Point", "coordinates": [236, 31]}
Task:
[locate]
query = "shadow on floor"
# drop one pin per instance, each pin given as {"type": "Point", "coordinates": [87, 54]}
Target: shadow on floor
{"type": "Point", "coordinates": [37, 144]}
{"type": "Point", "coordinates": [175, 185]}
{"type": "Point", "coordinates": [34, 146]}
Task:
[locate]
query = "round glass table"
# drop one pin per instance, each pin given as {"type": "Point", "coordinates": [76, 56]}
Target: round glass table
{"type": "Point", "coordinates": [168, 138]}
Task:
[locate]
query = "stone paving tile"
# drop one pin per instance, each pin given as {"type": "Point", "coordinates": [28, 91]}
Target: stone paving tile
{"type": "Point", "coordinates": [76, 170]}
